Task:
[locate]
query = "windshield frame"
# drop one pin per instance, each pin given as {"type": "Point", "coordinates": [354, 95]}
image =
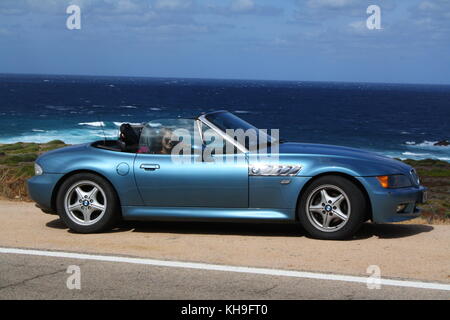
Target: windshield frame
{"type": "Point", "coordinates": [208, 123]}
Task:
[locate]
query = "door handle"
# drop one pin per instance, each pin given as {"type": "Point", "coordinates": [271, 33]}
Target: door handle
{"type": "Point", "coordinates": [149, 167]}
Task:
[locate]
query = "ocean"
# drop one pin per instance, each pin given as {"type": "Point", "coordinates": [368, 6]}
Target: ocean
{"type": "Point", "coordinates": [398, 120]}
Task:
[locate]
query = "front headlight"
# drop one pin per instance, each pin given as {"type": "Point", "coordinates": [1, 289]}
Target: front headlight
{"type": "Point", "coordinates": [38, 170]}
{"type": "Point", "coordinates": [394, 181]}
{"type": "Point", "coordinates": [415, 176]}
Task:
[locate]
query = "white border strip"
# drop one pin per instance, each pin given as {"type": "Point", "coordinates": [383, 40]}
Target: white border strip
{"type": "Point", "coordinates": [216, 267]}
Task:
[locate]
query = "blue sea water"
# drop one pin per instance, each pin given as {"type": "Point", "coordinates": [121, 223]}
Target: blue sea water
{"type": "Point", "coordinates": [396, 120]}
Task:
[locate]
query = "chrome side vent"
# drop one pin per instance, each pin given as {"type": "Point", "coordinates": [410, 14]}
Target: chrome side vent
{"type": "Point", "coordinates": [263, 169]}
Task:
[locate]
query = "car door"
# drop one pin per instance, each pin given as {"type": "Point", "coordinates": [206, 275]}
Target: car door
{"type": "Point", "coordinates": [188, 179]}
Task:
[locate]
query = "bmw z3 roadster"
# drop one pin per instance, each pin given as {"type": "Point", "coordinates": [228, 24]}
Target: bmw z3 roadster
{"type": "Point", "coordinates": [218, 167]}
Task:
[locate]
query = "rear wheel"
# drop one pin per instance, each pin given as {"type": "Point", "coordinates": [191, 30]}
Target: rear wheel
{"type": "Point", "coordinates": [87, 203]}
{"type": "Point", "coordinates": [332, 207]}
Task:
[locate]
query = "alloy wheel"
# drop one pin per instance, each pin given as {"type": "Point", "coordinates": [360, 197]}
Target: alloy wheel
{"type": "Point", "coordinates": [328, 208]}
{"type": "Point", "coordinates": [85, 203]}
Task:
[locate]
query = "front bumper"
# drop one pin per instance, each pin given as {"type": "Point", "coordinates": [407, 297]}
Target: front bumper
{"type": "Point", "coordinates": [386, 201]}
{"type": "Point", "coordinates": [40, 190]}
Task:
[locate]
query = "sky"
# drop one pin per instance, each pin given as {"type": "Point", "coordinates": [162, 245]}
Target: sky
{"type": "Point", "coordinates": [306, 40]}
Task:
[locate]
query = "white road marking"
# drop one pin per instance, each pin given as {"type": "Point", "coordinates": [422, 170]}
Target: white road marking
{"type": "Point", "coordinates": [216, 267]}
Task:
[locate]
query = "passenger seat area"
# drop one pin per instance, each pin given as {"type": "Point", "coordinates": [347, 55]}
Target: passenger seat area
{"type": "Point", "coordinates": [128, 139]}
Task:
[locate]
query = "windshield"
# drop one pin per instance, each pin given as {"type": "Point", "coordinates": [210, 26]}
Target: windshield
{"type": "Point", "coordinates": [228, 122]}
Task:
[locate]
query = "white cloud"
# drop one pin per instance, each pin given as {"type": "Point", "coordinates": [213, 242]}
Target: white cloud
{"type": "Point", "coordinates": [173, 4]}
{"type": "Point", "coordinates": [242, 5]}
{"type": "Point", "coordinates": [127, 6]}
{"type": "Point", "coordinates": [333, 4]}
{"type": "Point", "coordinates": [358, 27]}
{"type": "Point", "coordinates": [426, 5]}
{"type": "Point", "coordinates": [4, 32]}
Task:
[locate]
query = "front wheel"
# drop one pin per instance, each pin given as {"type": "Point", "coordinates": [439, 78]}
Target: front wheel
{"type": "Point", "coordinates": [87, 203]}
{"type": "Point", "coordinates": [332, 208]}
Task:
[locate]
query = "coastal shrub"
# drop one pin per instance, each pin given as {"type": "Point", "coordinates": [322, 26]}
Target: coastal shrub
{"type": "Point", "coordinates": [427, 163]}
{"type": "Point", "coordinates": [50, 147]}
{"type": "Point", "coordinates": [13, 184]}
{"type": "Point", "coordinates": [436, 173]}
{"type": "Point", "coordinates": [15, 159]}
{"type": "Point", "coordinates": [33, 148]}
{"type": "Point", "coordinates": [53, 142]}
{"type": "Point", "coordinates": [25, 171]}
{"type": "Point", "coordinates": [12, 147]}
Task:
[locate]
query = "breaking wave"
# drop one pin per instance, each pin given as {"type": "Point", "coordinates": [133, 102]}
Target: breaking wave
{"type": "Point", "coordinates": [425, 145]}
{"type": "Point", "coordinates": [92, 124]}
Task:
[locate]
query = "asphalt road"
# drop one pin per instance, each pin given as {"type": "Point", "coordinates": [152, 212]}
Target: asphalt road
{"type": "Point", "coordinates": [405, 252]}
{"type": "Point", "coordinates": [31, 277]}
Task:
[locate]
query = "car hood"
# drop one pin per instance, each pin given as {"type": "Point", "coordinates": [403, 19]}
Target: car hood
{"type": "Point", "coordinates": [325, 149]}
{"type": "Point", "coordinates": [368, 163]}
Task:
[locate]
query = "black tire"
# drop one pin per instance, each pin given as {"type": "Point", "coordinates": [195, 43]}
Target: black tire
{"type": "Point", "coordinates": [313, 220]}
{"type": "Point", "coordinates": [107, 218]}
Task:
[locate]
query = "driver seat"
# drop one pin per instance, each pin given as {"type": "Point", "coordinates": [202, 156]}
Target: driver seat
{"type": "Point", "coordinates": [128, 140]}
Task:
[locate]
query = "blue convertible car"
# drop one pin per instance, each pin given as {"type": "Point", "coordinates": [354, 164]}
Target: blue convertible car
{"type": "Point", "coordinates": [201, 169]}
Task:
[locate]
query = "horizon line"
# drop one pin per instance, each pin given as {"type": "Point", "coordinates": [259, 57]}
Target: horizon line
{"type": "Point", "coordinates": [222, 79]}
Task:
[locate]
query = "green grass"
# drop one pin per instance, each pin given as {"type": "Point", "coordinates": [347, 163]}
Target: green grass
{"type": "Point", "coordinates": [427, 163]}
{"type": "Point", "coordinates": [17, 165]}
{"type": "Point", "coordinates": [434, 173]}
{"type": "Point", "coordinates": [55, 142]}
{"type": "Point", "coordinates": [16, 159]}
{"type": "Point", "coordinates": [25, 171]}
{"type": "Point", "coordinates": [19, 152]}
{"type": "Point", "coordinates": [19, 148]}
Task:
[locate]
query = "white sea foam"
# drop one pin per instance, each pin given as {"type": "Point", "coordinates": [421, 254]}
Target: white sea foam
{"type": "Point", "coordinates": [129, 107]}
{"type": "Point", "coordinates": [92, 124]}
{"type": "Point", "coordinates": [426, 145]}
{"type": "Point", "coordinates": [37, 130]}
{"type": "Point", "coordinates": [70, 136]}
{"type": "Point", "coordinates": [407, 153]}
{"type": "Point", "coordinates": [58, 108]}
{"type": "Point", "coordinates": [118, 124]}
{"type": "Point", "coordinates": [155, 109]}
{"type": "Point", "coordinates": [415, 156]}
{"type": "Point", "coordinates": [419, 151]}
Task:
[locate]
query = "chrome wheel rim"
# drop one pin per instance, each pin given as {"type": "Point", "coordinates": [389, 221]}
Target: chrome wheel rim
{"type": "Point", "coordinates": [85, 203]}
{"type": "Point", "coordinates": [328, 208]}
